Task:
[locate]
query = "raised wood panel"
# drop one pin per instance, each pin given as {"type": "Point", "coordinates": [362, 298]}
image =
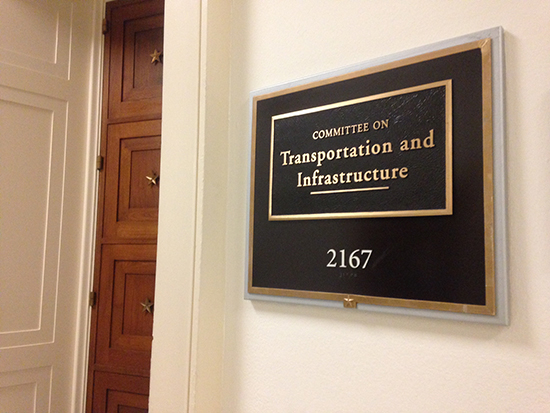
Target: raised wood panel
{"type": "Point", "coordinates": [31, 216]}
{"type": "Point", "coordinates": [37, 35]}
{"type": "Point", "coordinates": [139, 286]}
{"type": "Point", "coordinates": [142, 76]}
{"type": "Point", "coordinates": [26, 390]}
{"type": "Point", "coordinates": [124, 326]}
{"type": "Point", "coordinates": [140, 163]}
{"type": "Point", "coordinates": [135, 82]}
{"type": "Point", "coordinates": [117, 393]}
{"type": "Point", "coordinates": [131, 198]}
{"type": "Point", "coordinates": [18, 398]}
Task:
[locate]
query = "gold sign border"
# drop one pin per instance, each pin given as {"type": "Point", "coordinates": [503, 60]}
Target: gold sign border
{"type": "Point", "coordinates": [448, 210]}
{"type": "Point", "coordinates": [490, 301]}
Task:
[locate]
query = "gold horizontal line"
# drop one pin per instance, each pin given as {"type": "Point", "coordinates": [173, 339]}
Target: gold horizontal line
{"type": "Point", "coordinates": [339, 191]}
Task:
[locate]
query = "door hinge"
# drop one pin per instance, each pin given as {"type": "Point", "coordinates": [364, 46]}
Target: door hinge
{"type": "Point", "coordinates": [92, 299]}
{"type": "Point", "coordinates": [105, 26]}
{"type": "Point", "coordinates": [99, 162]}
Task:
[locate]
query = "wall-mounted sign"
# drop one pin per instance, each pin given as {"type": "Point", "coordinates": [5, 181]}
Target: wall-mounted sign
{"type": "Point", "coordinates": [375, 186]}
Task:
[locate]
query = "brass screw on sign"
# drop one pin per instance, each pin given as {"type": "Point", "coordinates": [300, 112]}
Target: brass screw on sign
{"type": "Point", "coordinates": [156, 57]}
{"type": "Point", "coordinates": [349, 302]}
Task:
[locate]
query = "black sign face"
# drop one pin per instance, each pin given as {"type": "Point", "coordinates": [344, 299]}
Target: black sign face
{"type": "Point", "coordinates": [375, 186]}
{"type": "Point", "coordinates": [382, 155]}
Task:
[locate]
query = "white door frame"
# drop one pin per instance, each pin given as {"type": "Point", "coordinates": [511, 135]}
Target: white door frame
{"type": "Point", "coordinates": [187, 356]}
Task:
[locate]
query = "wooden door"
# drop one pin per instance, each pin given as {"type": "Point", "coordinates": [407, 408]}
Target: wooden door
{"type": "Point", "coordinates": [124, 283]}
{"type": "Point", "coordinates": [45, 50]}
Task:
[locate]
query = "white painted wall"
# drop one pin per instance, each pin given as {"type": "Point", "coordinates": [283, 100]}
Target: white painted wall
{"type": "Point", "coordinates": [290, 358]}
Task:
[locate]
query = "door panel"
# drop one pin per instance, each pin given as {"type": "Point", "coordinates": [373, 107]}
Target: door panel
{"type": "Point", "coordinates": [135, 77]}
{"type": "Point", "coordinates": [132, 182]}
{"type": "Point", "coordinates": [142, 76]}
{"type": "Point", "coordinates": [126, 292]}
{"type": "Point", "coordinates": [29, 245]}
{"type": "Point", "coordinates": [117, 393]}
{"type": "Point", "coordinates": [43, 39]}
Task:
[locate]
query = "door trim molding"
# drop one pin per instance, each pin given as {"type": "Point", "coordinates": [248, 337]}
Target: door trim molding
{"type": "Point", "coordinates": [172, 328]}
{"type": "Point", "coordinates": [190, 278]}
{"type": "Point", "coordinates": [90, 192]}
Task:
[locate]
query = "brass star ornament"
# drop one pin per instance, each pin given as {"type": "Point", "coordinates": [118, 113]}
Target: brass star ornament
{"type": "Point", "coordinates": [153, 179]}
{"type": "Point", "coordinates": [147, 306]}
{"type": "Point", "coordinates": [156, 57]}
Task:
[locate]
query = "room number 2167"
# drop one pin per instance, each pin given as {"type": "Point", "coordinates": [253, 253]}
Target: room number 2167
{"type": "Point", "coordinates": [357, 258]}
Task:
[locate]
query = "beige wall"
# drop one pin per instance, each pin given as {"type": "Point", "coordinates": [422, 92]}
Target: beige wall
{"type": "Point", "coordinates": [291, 358]}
